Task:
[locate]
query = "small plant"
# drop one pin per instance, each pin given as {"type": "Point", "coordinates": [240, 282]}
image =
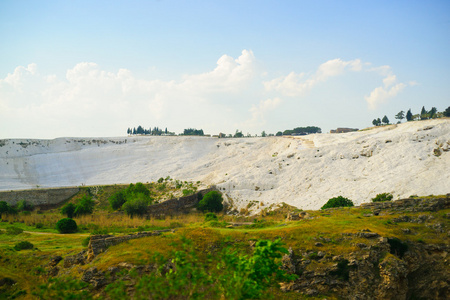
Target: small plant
{"type": "Point", "coordinates": [338, 202]}
{"type": "Point", "coordinates": [210, 217]}
{"type": "Point", "coordinates": [212, 202]}
{"type": "Point", "coordinates": [160, 180]}
{"type": "Point", "coordinates": [66, 225]}
{"type": "Point", "coordinates": [382, 197]}
{"type": "Point", "coordinates": [187, 192]}
{"type": "Point", "coordinates": [39, 225]}
{"type": "Point", "coordinates": [23, 246]}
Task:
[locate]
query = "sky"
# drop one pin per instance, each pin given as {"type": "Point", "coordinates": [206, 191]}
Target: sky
{"type": "Point", "coordinates": [96, 68]}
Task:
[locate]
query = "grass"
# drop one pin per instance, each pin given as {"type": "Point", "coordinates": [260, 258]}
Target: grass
{"type": "Point", "coordinates": [333, 229]}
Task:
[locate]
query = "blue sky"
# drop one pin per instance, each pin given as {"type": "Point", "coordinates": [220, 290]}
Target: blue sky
{"type": "Point", "coordinates": [95, 68]}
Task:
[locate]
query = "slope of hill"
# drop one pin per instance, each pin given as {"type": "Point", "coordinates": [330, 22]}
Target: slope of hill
{"type": "Point", "coordinates": [406, 159]}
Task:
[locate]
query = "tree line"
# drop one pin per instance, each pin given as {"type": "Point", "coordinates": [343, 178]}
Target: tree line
{"type": "Point", "coordinates": [409, 116]}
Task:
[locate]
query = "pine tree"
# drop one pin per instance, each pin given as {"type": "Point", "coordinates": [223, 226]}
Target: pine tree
{"type": "Point", "coordinates": [432, 112]}
{"type": "Point", "coordinates": [423, 113]}
{"type": "Point", "coordinates": [385, 120]}
{"type": "Point", "coordinates": [409, 115]}
{"type": "Point", "coordinates": [447, 112]}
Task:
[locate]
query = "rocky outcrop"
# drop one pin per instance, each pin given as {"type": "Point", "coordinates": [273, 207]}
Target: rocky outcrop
{"type": "Point", "coordinates": [386, 269]}
{"type": "Point", "coordinates": [178, 205]}
{"type": "Point", "coordinates": [43, 198]}
{"type": "Point", "coordinates": [411, 204]}
{"type": "Point", "coordinates": [99, 243]}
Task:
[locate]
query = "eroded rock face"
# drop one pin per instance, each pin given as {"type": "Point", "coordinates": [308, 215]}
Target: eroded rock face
{"type": "Point", "coordinates": [380, 272]}
{"type": "Point", "coordinates": [77, 259]}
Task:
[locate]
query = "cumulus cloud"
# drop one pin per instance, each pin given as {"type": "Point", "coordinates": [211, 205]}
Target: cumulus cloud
{"type": "Point", "coordinates": [88, 95]}
{"type": "Point", "coordinates": [298, 84]}
{"type": "Point", "coordinates": [381, 94]}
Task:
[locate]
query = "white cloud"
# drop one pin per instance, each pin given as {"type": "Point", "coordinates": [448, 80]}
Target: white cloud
{"type": "Point", "coordinates": [258, 112]}
{"type": "Point", "coordinates": [381, 94]}
{"type": "Point", "coordinates": [298, 84]}
{"type": "Point", "coordinates": [88, 95]}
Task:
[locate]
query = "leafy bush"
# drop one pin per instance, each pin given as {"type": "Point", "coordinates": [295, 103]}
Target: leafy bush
{"type": "Point", "coordinates": [12, 230]}
{"type": "Point", "coordinates": [4, 207]}
{"type": "Point", "coordinates": [68, 210]}
{"type": "Point", "coordinates": [136, 206]}
{"type": "Point", "coordinates": [117, 200]}
{"type": "Point", "coordinates": [338, 202]}
{"type": "Point", "coordinates": [39, 225]}
{"type": "Point", "coordinates": [210, 217]}
{"type": "Point", "coordinates": [66, 225]}
{"type": "Point", "coordinates": [23, 205]}
{"type": "Point", "coordinates": [23, 245]}
{"type": "Point", "coordinates": [382, 197]}
{"type": "Point", "coordinates": [212, 202]}
{"type": "Point", "coordinates": [84, 207]}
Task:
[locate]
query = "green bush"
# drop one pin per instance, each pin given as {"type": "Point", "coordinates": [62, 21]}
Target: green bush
{"type": "Point", "coordinates": [23, 245]}
{"type": "Point", "coordinates": [66, 225]}
{"type": "Point", "coordinates": [210, 217]}
{"type": "Point", "coordinates": [12, 230]}
{"type": "Point", "coordinates": [68, 210]}
{"type": "Point", "coordinates": [23, 205]}
{"type": "Point", "coordinates": [84, 207]}
{"type": "Point", "coordinates": [117, 200]}
{"type": "Point", "coordinates": [382, 197]}
{"type": "Point", "coordinates": [39, 225]}
{"type": "Point", "coordinates": [136, 206]}
{"type": "Point", "coordinates": [212, 202]}
{"type": "Point", "coordinates": [338, 202]}
{"type": "Point", "coordinates": [4, 208]}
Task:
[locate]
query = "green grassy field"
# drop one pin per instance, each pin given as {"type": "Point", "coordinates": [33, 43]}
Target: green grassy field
{"type": "Point", "coordinates": [333, 229]}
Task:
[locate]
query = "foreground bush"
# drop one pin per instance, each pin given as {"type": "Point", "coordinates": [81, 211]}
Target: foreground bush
{"type": "Point", "coordinates": [232, 276]}
{"type": "Point", "coordinates": [382, 197]}
{"type": "Point", "coordinates": [338, 202]}
{"type": "Point", "coordinates": [23, 245]}
{"type": "Point", "coordinates": [66, 225]}
{"type": "Point", "coordinates": [212, 202]}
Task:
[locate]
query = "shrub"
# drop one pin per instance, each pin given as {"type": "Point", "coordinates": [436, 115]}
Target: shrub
{"type": "Point", "coordinates": [66, 225]}
{"type": "Point", "coordinates": [39, 225]}
{"type": "Point", "coordinates": [117, 200]}
{"type": "Point", "coordinates": [136, 206]}
{"type": "Point", "coordinates": [84, 207]}
{"type": "Point", "coordinates": [12, 230]}
{"type": "Point", "coordinates": [4, 208]}
{"type": "Point", "coordinates": [23, 245]}
{"type": "Point", "coordinates": [210, 217]}
{"type": "Point", "coordinates": [212, 202]}
{"type": "Point", "coordinates": [382, 197]}
{"type": "Point", "coordinates": [68, 210]}
{"type": "Point", "coordinates": [23, 205]}
{"type": "Point", "coordinates": [338, 202]}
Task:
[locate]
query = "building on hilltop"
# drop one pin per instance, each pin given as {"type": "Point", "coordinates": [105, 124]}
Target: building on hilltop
{"type": "Point", "coordinates": [343, 130]}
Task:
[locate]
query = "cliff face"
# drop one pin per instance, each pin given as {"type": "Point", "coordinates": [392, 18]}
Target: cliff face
{"type": "Point", "coordinates": [422, 272]}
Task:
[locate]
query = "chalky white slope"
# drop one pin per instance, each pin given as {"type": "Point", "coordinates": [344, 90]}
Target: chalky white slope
{"type": "Point", "coordinates": [406, 159]}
